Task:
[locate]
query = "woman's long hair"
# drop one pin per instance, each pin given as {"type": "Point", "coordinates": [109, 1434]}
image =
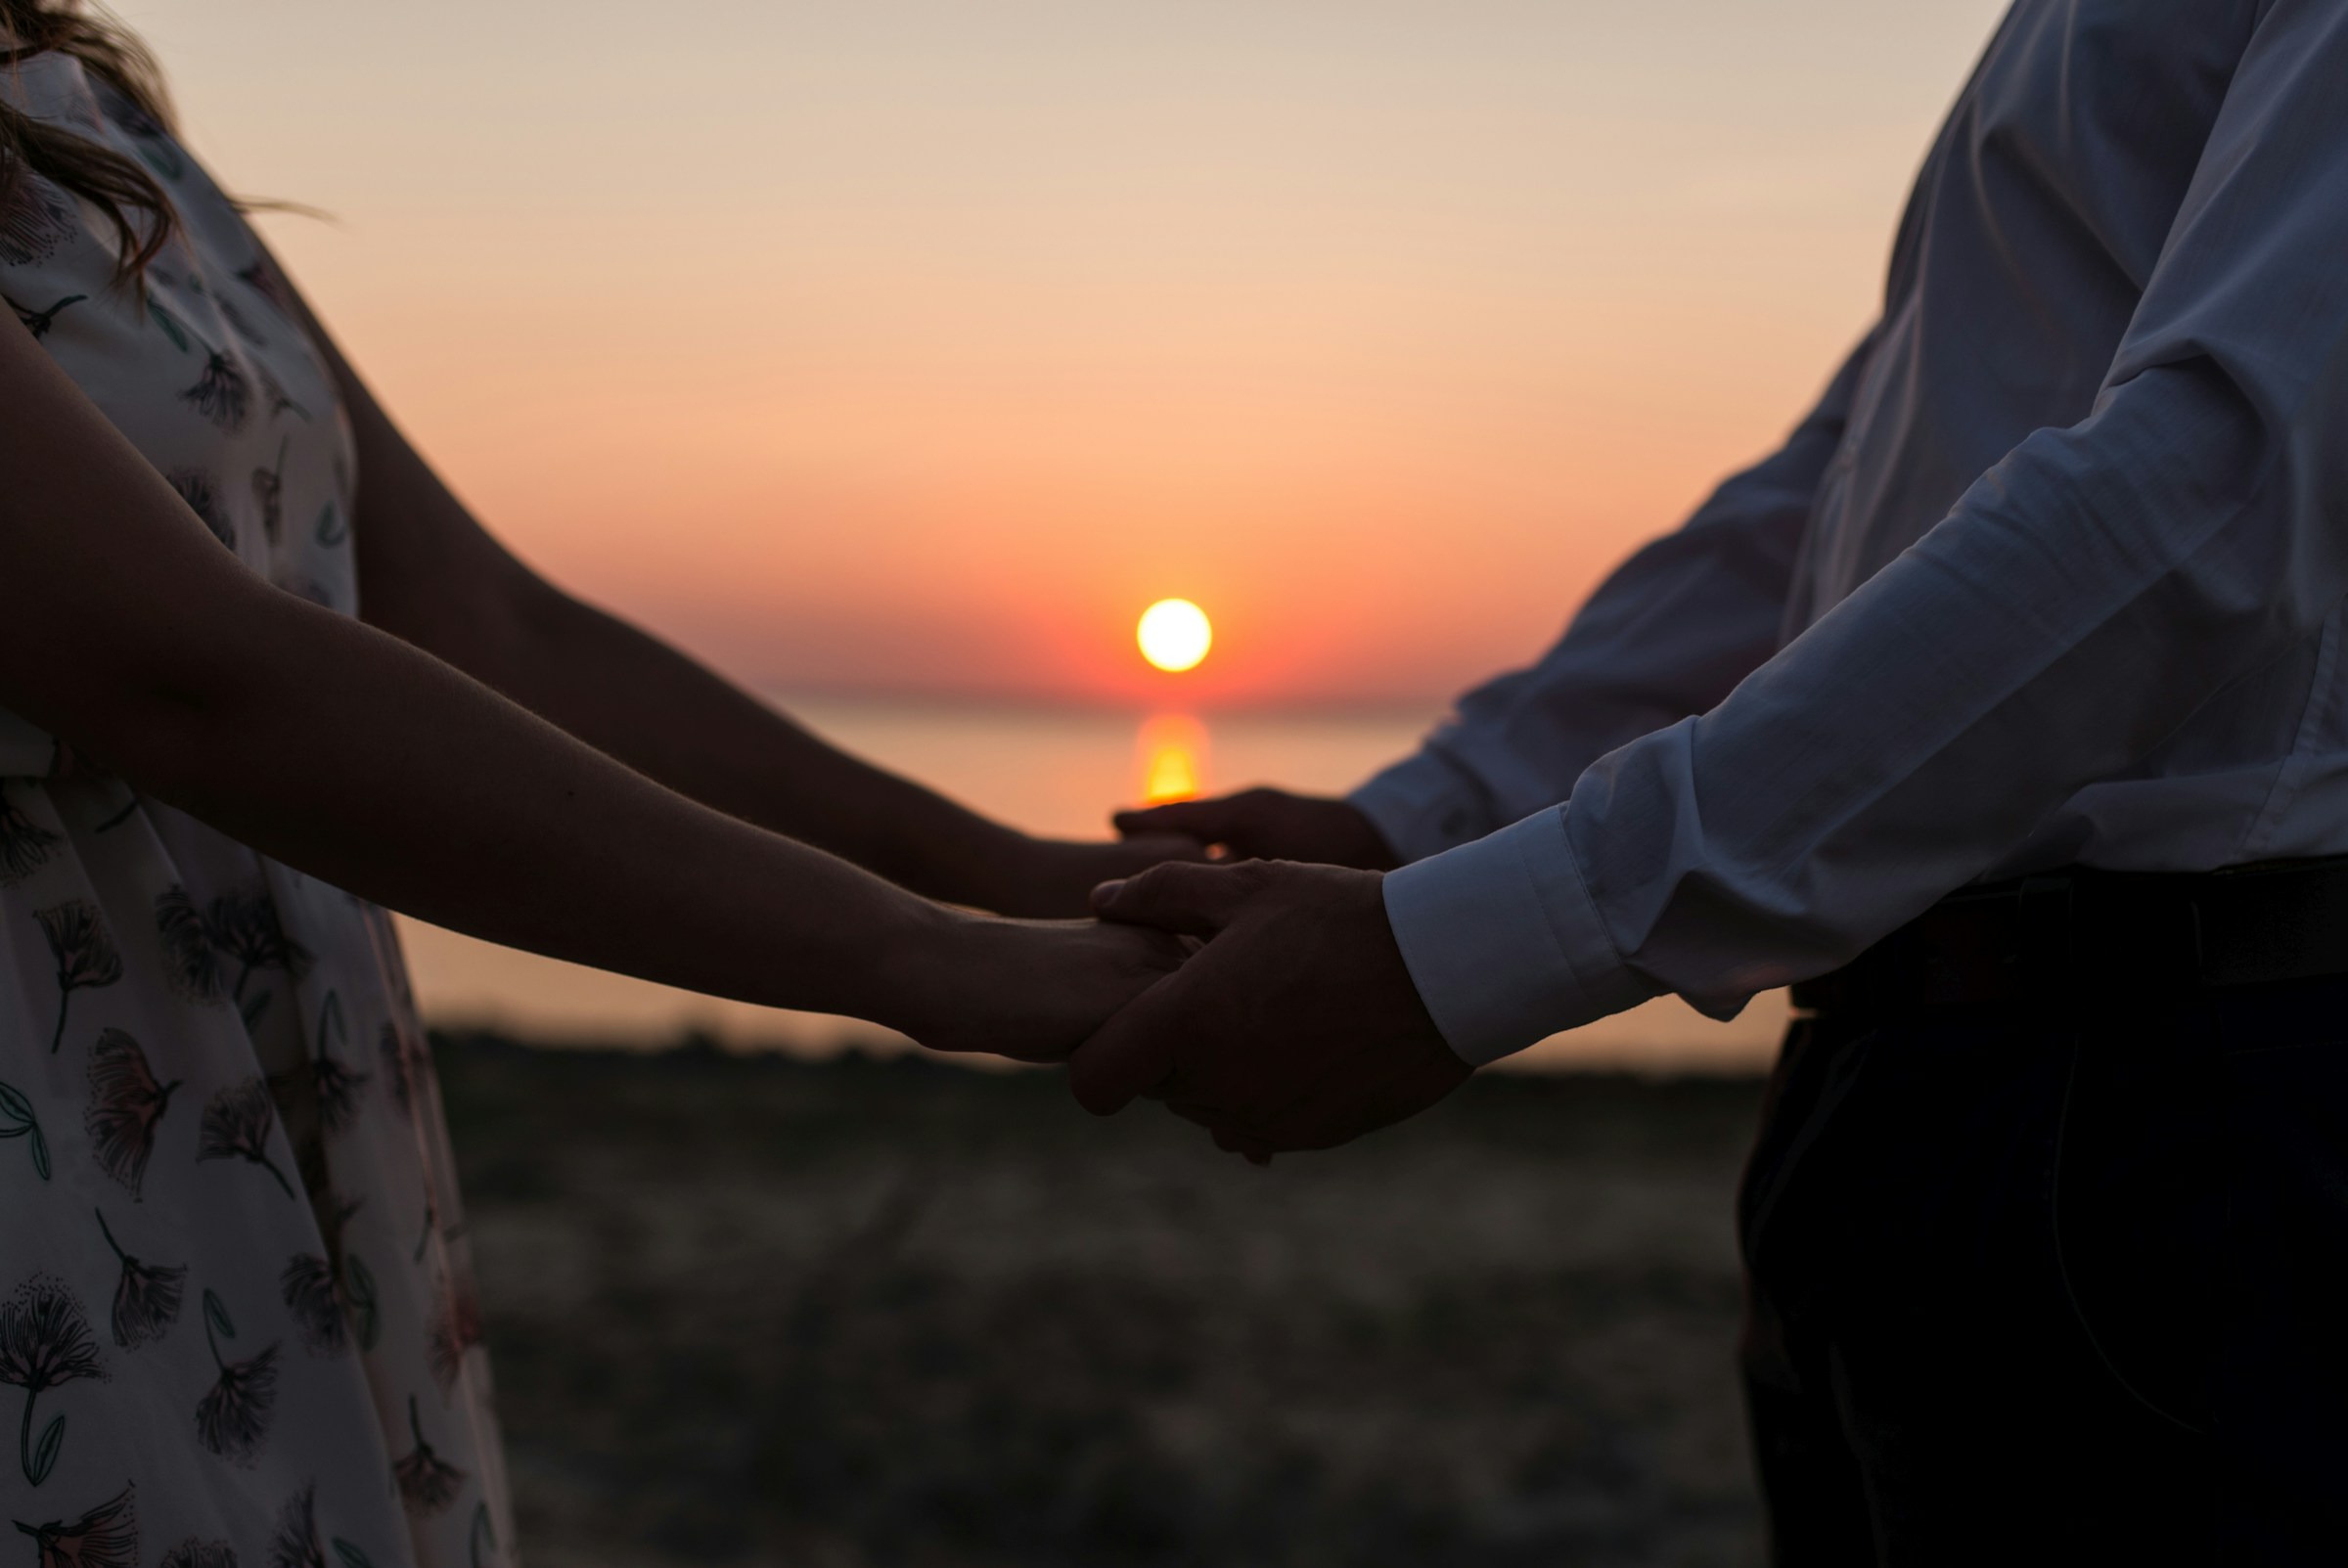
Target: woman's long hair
{"type": "Point", "coordinates": [118, 187]}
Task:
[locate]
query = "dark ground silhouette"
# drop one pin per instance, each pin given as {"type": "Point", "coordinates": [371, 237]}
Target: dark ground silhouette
{"type": "Point", "coordinates": [758, 1311]}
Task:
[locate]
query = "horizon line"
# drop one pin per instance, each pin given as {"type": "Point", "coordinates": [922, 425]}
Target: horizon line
{"type": "Point", "coordinates": [1428, 708]}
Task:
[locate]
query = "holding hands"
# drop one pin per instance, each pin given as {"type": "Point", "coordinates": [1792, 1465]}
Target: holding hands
{"type": "Point", "coordinates": [1295, 1025]}
{"type": "Point", "coordinates": [1262, 996]}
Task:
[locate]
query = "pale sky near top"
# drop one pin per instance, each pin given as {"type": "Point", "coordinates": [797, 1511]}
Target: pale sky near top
{"type": "Point", "coordinates": [919, 344]}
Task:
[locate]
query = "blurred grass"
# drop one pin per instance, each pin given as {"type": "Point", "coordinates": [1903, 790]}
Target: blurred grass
{"type": "Point", "coordinates": [756, 1310]}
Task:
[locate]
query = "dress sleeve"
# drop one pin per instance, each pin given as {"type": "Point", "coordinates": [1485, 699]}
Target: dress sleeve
{"type": "Point", "coordinates": [1668, 634]}
{"type": "Point", "coordinates": [2084, 598]}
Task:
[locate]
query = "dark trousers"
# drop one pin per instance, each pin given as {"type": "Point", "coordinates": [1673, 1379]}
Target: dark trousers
{"type": "Point", "coordinates": [2063, 1283]}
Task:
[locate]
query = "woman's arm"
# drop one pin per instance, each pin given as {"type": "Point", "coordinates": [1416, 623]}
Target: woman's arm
{"type": "Point", "coordinates": [128, 633]}
{"type": "Point", "coordinates": [432, 576]}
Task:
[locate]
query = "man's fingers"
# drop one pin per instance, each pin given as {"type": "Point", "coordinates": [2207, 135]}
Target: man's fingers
{"type": "Point", "coordinates": [1188, 900]}
{"type": "Point", "coordinates": [1206, 821]}
{"type": "Point", "coordinates": [1130, 1054]}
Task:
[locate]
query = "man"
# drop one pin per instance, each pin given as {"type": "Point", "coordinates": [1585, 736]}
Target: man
{"type": "Point", "coordinates": [1962, 713]}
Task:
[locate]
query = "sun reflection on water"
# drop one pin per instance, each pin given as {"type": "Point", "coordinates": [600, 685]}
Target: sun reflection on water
{"type": "Point", "coordinates": [1170, 757]}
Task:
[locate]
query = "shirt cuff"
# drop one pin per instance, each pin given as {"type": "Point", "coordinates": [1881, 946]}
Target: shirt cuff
{"type": "Point", "coordinates": [1504, 942]}
{"type": "Point", "coordinates": [1425, 805]}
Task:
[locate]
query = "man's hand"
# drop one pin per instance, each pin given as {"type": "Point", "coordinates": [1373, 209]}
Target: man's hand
{"type": "Point", "coordinates": [1296, 1026]}
{"type": "Point", "coordinates": [1271, 824]}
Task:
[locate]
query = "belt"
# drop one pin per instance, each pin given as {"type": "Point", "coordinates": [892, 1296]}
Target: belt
{"type": "Point", "coordinates": [2078, 933]}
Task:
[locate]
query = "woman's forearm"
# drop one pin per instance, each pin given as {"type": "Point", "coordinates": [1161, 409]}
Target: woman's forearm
{"type": "Point", "coordinates": [375, 767]}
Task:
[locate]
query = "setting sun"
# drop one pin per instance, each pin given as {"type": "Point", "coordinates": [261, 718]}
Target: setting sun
{"type": "Point", "coordinates": [1174, 634]}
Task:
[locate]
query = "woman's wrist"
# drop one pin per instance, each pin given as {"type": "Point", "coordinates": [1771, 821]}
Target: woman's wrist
{"type": "Point", "coordinates": [909, 967]}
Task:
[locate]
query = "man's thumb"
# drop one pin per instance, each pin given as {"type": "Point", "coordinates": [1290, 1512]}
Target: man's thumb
{"type": "Point", "coordinates": [1179, 896]}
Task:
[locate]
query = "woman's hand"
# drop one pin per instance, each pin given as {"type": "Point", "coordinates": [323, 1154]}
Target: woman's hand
{"type": "Point", "coordinates": [1031, 990]}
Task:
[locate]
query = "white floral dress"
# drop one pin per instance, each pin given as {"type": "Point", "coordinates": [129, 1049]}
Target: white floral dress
{"type": "Point", "coordinates": [237, 1316]}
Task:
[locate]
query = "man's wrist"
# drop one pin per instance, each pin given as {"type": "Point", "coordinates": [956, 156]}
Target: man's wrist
{"type": "Point", "coordinates": [1504, 943]}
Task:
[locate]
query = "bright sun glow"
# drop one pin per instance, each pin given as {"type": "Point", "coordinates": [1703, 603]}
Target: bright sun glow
{"type": "Point", "coordinates": [1172, 753]}
{"type": "Point", "coordinates": [1174, 634]}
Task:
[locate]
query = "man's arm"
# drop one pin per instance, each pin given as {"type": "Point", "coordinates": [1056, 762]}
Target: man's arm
{"type": "Point", "coordinates": [1668, 634]}
{"type": "Point", "coordinates": [2081, 601]}
{"type": "Point", "coordinates": [432, 576]}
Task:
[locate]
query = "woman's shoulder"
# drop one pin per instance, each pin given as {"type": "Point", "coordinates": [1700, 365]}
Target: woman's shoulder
{"type": "Point", "coordinates": [202, 361]}
{"type": "Point", "coordinates": [56, 89]}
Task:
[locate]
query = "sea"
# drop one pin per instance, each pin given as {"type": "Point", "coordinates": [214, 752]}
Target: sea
{"type": "Point", "coordinates": [1055, 772]}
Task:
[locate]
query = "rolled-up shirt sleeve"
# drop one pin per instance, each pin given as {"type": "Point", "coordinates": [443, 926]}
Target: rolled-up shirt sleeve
{"type": "Point", "coordinates": [2083, 599]}
{"type": "Point", "coordinates": [1667, 634]}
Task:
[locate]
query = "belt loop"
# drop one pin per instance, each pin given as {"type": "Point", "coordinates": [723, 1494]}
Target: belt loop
{"type": "Point", "coordinates": [2045, 924]}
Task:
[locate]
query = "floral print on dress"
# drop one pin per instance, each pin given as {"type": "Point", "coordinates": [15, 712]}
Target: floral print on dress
{"type": "Point", "coordinates": [195, 488]}
{"type": "Point", "coordinates": [405, 1062]}
{"type": "Point", "coordinates": [25, 845]}
{"type": "Point", "coordinates": [428, 1482]}
{"type": "Point", "coordinates": [146, 1297]}
{"type": "Point", "coordinates": [293, 1543]}
{"type": "Point", "coordinates": [336, 1086]}
{"type": "Point", "coordinates": [45, 1343]}
{"type": "Point", "coordinates": [194, 1553]}
{"type": "Point", "coordinates": [106, 1536]}
{"type": "Point", "coordinates": [38, 321]}
{"type": "Point", "coordinates": [315, 1302]}
{"type": "Point", "coordinates": [232, 1419]}
{"type": "Point", "coordinates": [38, 219]}
{"type": "Point", "coordinates": [125, 1104]}
{"type": "Point", "coordinates": [18, 1119]}
{"type": "Point", "coordinates": [85, 954]}
{"type": "Point", "coordinates": [221, 393]}
{"type": "Point", "coordinates": [269, 493]}
{"type": "Point", "coordinates": [456, 1329]}
{"type": "Point", "coordinates": [239, 1318]}
{"type": "Point", "coordinates": [236, 1125]}
{"type": "Point", "coordinates": [191, 965]}
{"type": "Point", "coordinates": [245, 927]}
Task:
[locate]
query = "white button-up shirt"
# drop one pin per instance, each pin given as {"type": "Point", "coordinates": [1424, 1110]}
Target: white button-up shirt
{"type": "Point", "coordinates": [2052, 575]}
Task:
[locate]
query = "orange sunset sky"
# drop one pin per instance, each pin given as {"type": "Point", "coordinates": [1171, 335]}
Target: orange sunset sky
{"type": "Point", "coordinates": [915, 345]}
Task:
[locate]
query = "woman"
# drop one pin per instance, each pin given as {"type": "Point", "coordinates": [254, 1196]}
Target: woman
{"type": "Point", "coordinates": [253, 655]}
